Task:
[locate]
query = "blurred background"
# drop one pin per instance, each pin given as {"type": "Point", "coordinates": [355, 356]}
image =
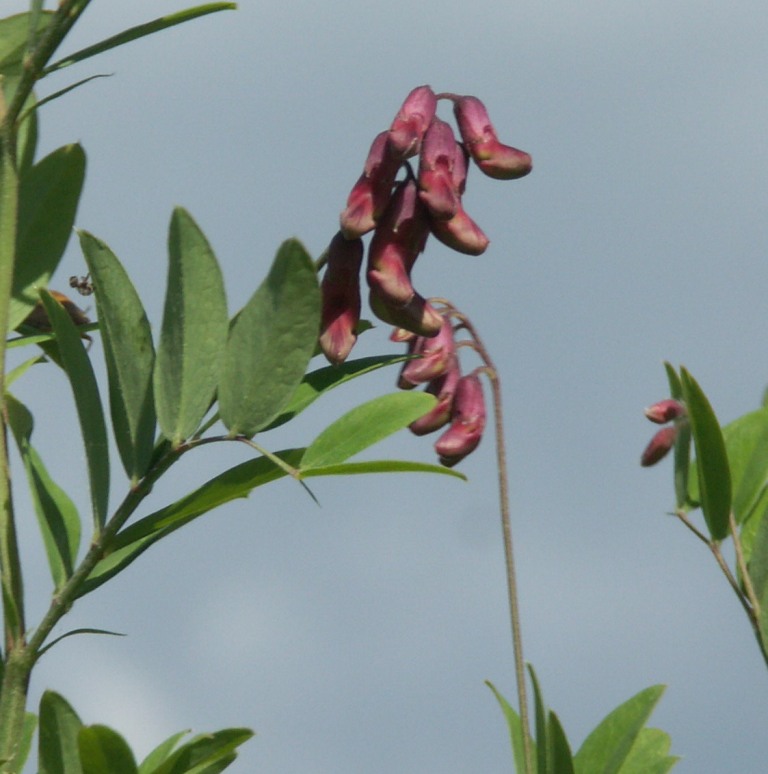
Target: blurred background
{"type": "Point", "coordinates": [355, 637]}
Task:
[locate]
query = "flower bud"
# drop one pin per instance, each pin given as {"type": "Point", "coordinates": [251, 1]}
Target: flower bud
{"type": "Point", "coordinates": [371, 193]}
{"type": "Point", "coordinates": [443, 388]}
{"type": "Point", "coordinates": [434, 356]}
{"type": "Point", "coordinates": [494, 159]}
{"type": "Point", "coordinates": [411, 122]}
{"type": "Point", "coordinates": [340, 291]}
{"type": "Point", "coordinates": [467, 422]}
{"type": "Point", "coordinates": [418, 315]}
{"type": "Point", "coordinates": [401, 335]}
{"type": "Point", "coordinates": [396, 243]}
{"type": "Point", "coordinates": [665, 411]}
{"type": "Point", "coordinates": [659, 446]}
{"type": "Point", "coordinates": [461, 233]}
{"type": "Point", "coordinates": [436, 166]}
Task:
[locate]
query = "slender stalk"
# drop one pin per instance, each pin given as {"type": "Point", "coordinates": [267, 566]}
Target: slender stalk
{"type": "Point", "coordinates": [506, 528]}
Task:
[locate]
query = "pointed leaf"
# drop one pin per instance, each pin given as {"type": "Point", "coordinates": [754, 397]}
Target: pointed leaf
{"type": "Point", "coordinates": [57, 737]}
{"type": "Point", "coordinates": [711, 459]}
{"type": "Point", "coordinates": [543, 752]}
{"type": "Point", "coordinates": [318, 383]}
{"type": "Point", "coordinates": [194, 334]}
{"type": "Point", "coordinates": [234, 483]}
{"type": "Point", "coordinates": [15, 38]}
{"type": "Point", "coordinates": [270, 343]}
{"type": "Point", "coordinates": [515, 727]}
{"type": "Point", "coordinates": [559, 749]}
{"type": "Point", "coordinates": [204, 751]}
{"type": "Point", "coordinates": [380, 466]}
{"type": "Point", "coordinates": [364, 426]}
{"type": "Point", "coordinates": [758, 573]}
{"type": "Point", "coordinates": [78, 367]}
{"type": "Point", "coordinates": [650, 754]}
{"type": "Point", "coordinates": [607, 748]}
{"type": "Point", "coordinates": [58, 518]}
{"type": "Point", "coordinates": [140, 31]}
{"type": "Point", "coordinates": [104, 751]}
{"type": "Point", "coordinates": [129, 355]}
{"type": "Point", "coordinates": [160, 753]}
{"type": "Point", "coordinates": [48, 198]}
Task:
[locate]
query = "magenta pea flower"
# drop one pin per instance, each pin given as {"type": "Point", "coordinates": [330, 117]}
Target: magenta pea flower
{"type": "Point", "coordinates": [494, 158]}
{"type": "Point", "coordinates": [660, 413]}
{"type": "Point", "coordinates": [461, 233]}
{"type": "Point", "coordinates": [437, 188]}
{"type": "Point", "coordinates": [467, 422]}
{"type": "Point", "coordinates": [411, 122]}
{"type": "Point", "coordinates": [433, 357]}
{"type": "Point", "coordinates": [340, 290]}
{"type": "Point", "coordinates": [418, 315]}
{"type": "Point", "coordinates": [443, 388]}
{"type": "Point", "coordinates": [371, 193]}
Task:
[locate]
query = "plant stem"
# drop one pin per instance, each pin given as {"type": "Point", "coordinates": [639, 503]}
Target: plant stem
{"type": "Point", "coordinates": [506, 528]}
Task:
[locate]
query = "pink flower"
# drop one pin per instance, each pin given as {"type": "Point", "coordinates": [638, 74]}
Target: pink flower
{"type": "Point", "coordinates": [659, 446]}
{"type": "Point", "coordinates": [467, 422]}
{"type": "Point", "coordinates": [443, 388]}
{"type": "Point", "coordinates": [371, 193]}
{"type": "Point", "coordinates": [411, 122]}
{"type": "Point", "coordinates": [436, 167]}
{"type": "Point", "coordinates": [461, 233]}
{"type": "Point", "coordinates": [340, 298]}
{"type": "Point", "coordinates": [665, 411]}
{"type": "Point", "coordinates": [495, 159]}
{"type": "Point", "coordinates": [434, 356]}
{"type": "Point", "coordinates": [418, 315]}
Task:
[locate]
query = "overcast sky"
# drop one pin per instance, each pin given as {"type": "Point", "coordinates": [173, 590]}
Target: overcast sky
{"type": "Point", "coordinates": [356, 637]}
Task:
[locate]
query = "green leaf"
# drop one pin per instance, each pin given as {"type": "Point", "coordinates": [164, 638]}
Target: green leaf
{"type": "Point", "coordinates": [160, 753]}
{"type": "Point", "coordinates": [682, 450]}
{"type": "Point", "coordinates": [15, 38]}
{"type": "Point", "coordinates": [561, 760]}
{"type": "Point", "coordinates": [57, 737]}
{"type": "Point", "coordinates": [140, 31]}
{"type": "Point", "coordinates": [543, 749]}
{"type": "Point", "coordinates": [27, 733]}
{"type": "Point", "coordinates": [318, 383]}
{"type": "Point", "coordinates": [607, 748]}
{"type": "Point", "coordinates": [21, 369]}
{"type": "Point", "coordinates": [72, 633]}
{"type": "Point", "coordinates": [48, 198]}
{"type": "Point", "coordinates": [234, 483]}
{"type": "Point", "coordinates": [194, 334]}
{"type": "Point", "coordinates": [78, 367]}
{"type": "Point", "coordinates": [711, 458]}
{"type": "Point", "coordinates": [204, 751]}
{"type": "Point", "coordinates": [364, 426]}
{"type": "Point", "coordinates": [129, 354]}
{"type": "Point", "coordinates": [58, 518]}
{"type": "Point", "coordinates": [757, 567]}
{"type": "Point", "coordinates": [650, 754]}
{"type": "Point", "coordinates": [270, 343]}
{"type": "Point", "coordinates": [515, 730]}
{"type": "Point", "coordinates": [104, 751]}
{"type": "Point", "coordinates": [380, 466]}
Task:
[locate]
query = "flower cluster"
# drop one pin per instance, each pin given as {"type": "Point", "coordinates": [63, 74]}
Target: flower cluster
{"type": "Point", "coordinates": [402, 213]}
{"type": "Point", "coordinates": [460, 403]}
{"type": "Point", "coordinates": [662, 413]}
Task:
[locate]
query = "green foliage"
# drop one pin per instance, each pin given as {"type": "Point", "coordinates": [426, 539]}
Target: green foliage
{"type": "Point", "coordinates": [620, 744]}
{"type": "Point", "coordinates": [270, 343]}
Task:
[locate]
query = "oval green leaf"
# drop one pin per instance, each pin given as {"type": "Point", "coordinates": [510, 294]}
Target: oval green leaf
{"type": "Point", "coordinates": [713, 471]}
{"type": "Point", "coordinates": [59, 726]}
{"type": "Point", "coordinates": [270, 343]}
{"type": "Point", "coordinates": [104, 751]}
{"type": "Point", "coordinates": [129, 355]}
{"type": "Point", "coordinates": [194, 333]}
{"type": "Point", "coordinates": [48, 198]}
{"type": "Point", "coordinates": [364, 426]}
{"type": "Point", "coordinates": [79, 371]}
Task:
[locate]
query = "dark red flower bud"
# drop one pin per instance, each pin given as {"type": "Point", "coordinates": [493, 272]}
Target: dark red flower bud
{"type": "Point", "coordinates": [494, 159]}
{"type": "Point", "coordinates": [467, 422]}
{"type": "Point", "coordinates": [411, 122]}
{"type": "Point", "coordinates": [665, 411]}
{"type": "Point", "coordinates": [396, 243]}
{"type": "Point", "coordinates": [659, 446]}
{"type": "Point", "coordinates": [438, 190]}
{"type": "Point", "coordinates": [418, 315]}
{"type": "Point", "coordinates": [340, 290]}
{"type": "Point", "coordinates": [371, 193]}
{"type": "Point", "coordinates": [461, 233]}
{"type": "Point", "coordinates": [434, 356]}
{"type": "Point", "coordinates": [443, 388]}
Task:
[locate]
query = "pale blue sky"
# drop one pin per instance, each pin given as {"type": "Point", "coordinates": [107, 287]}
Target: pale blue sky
{"type": "Point", "coordinates": [356, 637]}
